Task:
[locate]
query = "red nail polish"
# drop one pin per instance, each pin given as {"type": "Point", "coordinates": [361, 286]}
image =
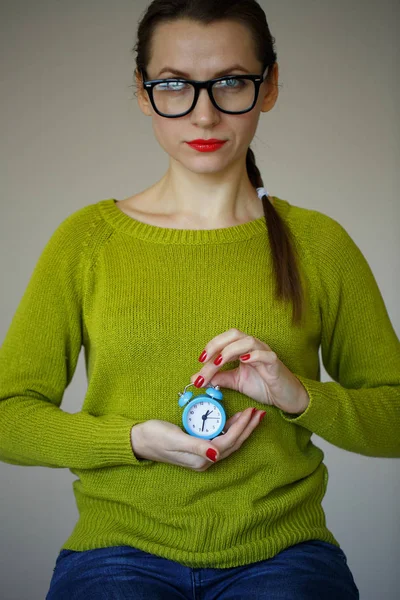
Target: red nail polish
{"type": "Point", "coordinates": [203, 356]}
{"type": "Point", "coordinates": [262, 416]}
{"type": "Point", "coordinates": [245, 357]}
{"type": "Point", "coordinates": [199, 381]}
{"type": "Point", "coordinates": [254, 410]}
{"type": "Point", "coordinates": [218, 360]}
{"type": "Point", "coordinates": [211, 454]}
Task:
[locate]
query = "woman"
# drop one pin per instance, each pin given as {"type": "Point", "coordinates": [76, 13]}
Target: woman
{"type": "Point", "coordinates": [204, 262]}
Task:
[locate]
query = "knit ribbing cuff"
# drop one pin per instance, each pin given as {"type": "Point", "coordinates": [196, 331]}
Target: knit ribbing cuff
{"type": "Point", "coordinates": [322, 409]}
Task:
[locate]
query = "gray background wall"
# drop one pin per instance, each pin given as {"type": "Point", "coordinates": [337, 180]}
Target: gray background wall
{"type": "Point", "coordinates": [72, 134]}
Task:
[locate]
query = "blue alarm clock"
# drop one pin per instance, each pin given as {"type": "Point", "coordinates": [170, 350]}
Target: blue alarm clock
{"type": "Point", "coordinates": [204, 417]}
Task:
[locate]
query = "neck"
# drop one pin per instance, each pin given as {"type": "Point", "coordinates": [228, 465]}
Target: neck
{"type": "Point", "coordinates": [206, 198]}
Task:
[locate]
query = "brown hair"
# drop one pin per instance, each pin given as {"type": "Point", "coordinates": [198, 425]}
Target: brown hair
{"type": "Point", "coordinates": [250, 14]}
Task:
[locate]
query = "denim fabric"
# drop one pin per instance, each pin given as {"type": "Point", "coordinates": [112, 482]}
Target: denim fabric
{"type": "Point", "coordinates": [312, 570]}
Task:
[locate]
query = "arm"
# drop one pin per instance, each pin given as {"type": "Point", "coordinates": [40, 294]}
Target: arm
{"type": "Point", "coordinates": [360, 410]}
{"type": "Point", "coordinates": [38, 359]}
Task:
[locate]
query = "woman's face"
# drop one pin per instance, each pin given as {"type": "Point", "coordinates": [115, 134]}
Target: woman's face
{"type": "Point", "coordinates": [201, 52]}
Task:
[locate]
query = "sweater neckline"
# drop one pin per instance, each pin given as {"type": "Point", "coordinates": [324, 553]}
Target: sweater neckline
{"type": "Point", "coordinates": [153, 233]}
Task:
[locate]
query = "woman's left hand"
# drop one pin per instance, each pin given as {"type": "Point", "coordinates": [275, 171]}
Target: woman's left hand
{"type": "Point", "coordinates": [263, 377]}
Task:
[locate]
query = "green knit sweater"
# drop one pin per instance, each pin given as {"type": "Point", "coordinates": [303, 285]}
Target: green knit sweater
{"type": "Point", "coordinates": [143, 301]}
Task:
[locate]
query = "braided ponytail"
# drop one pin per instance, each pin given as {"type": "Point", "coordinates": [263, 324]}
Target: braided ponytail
{"type": "Point", "coordinates": [287, 276]}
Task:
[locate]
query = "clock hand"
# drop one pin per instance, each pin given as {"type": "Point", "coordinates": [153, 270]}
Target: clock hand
{"type": "Point", "coordinates": [204, 417]}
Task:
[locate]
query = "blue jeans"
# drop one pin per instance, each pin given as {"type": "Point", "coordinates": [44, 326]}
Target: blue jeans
{"type": "Point", "coordinates": [311, 570]}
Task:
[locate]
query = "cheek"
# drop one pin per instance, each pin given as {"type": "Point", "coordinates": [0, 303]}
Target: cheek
{"type": "Point", "coordinates": [246, 126]}
{"type": "Point", "coordinates": [169, 133]}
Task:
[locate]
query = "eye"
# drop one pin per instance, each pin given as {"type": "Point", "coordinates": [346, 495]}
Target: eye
{"type": "Point", "coordinates": [170, 86]}
{"type": "Point", "coordinates": [231, 83]}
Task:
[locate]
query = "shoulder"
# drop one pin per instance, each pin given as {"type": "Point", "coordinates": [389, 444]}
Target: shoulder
{"type": "Point", "coordinates": [308, 219]}
{"type": "Point", "coordinates": [74, 240]}
{"type": "Point", "coordinates": [326, 250]}
{"type": "Point", "coordinates": [317, 232]}
{"type": "Point", "coordinates": [79, 221]}
{"type": "Point", "coordinates": [77, 228]}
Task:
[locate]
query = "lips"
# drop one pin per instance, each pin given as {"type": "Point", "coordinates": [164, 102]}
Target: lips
{"type": "Point", "coordinates": [204, 142]}
{"type": "Point", "coordinates": [208, 146]}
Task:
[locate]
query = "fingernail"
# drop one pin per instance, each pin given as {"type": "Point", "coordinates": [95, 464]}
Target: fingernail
{"type": "Point", "coordinates": [218, 360]}
{"type": "Point", "coordinates": [203, 356]}
{"type": "Point", "coordinates": [211, 454]}
{"type": "Point", "coordinates": [262, 416]}
{"type": "Point", "coordinates": [199, 381]}
{"type": "Point", "coordinates": [254, 410]}
{"type": "Point", "coordinates": [245, 357]}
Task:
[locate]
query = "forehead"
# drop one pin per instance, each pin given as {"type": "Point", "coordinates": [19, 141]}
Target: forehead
{"type": "Point", "coordinates": [201, 50]}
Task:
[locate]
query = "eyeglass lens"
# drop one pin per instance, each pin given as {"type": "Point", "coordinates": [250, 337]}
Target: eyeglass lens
{"type": "Point", "coordinates": [176, 97]}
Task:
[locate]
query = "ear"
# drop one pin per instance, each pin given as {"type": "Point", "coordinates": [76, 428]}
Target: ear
{"type": "Point", "coordinates": [142, 96]}
{"type": "Point", "coordinates": [270, 89]}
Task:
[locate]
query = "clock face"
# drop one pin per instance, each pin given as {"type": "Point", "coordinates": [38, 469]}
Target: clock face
{"type": "Point", "coordinates": [203, 418]}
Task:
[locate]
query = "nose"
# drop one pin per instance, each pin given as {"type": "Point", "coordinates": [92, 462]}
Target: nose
{"type": "Point", "coordinates": [204, 109]}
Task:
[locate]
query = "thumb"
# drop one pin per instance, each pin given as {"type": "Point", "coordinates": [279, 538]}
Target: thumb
{"type": "Point", "coordinates": [203, 448]}
{"type": "Point", "coordinates": [209, 451]}
{"type": "Point", "coordinates": [206, 449]}
{"type": "Point", "coordinates": [225, 379]}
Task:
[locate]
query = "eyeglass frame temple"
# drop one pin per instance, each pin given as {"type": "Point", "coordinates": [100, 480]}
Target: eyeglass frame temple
{"type": "Point", "coordinates": [198, 85]}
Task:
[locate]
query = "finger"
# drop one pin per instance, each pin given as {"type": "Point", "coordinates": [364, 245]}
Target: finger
{"type": "Point", "coordinates": [185, 449]}
{"type": "Point", "coordinates": [223, 348]}
{"type": "Point", "coordinates": [267, 358]}
{"type": "Point", "coordinates": [236, 429]}
{"type": "Point", "coordinates": [231, 421]}
{"type": "Point", "coordinates": [251, 426]}
{"type": "Point", "coordinates": [198, 447]}
{"type": "Point", "coordinates": [219, 342]}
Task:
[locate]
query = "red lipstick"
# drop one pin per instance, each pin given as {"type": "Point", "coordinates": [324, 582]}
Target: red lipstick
{"type": "Point", "coordinates": [209, 145]}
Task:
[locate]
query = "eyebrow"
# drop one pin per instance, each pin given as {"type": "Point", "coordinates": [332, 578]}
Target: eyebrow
{"type": "Point", "coordinates": [223, 72]}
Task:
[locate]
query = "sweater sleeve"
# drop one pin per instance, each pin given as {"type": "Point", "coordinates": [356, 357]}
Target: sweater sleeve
{"type": "Point", "coordinates": [360, 410]}
{"type": "Point", "coordinates": [38, 359]}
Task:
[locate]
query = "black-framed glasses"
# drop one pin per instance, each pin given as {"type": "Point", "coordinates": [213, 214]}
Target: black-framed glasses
{"type": "Point", "coordinates": [231, 94]}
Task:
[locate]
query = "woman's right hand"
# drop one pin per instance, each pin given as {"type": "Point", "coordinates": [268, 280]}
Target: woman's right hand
{"type": "Point", "coordinates": [165, 442]}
